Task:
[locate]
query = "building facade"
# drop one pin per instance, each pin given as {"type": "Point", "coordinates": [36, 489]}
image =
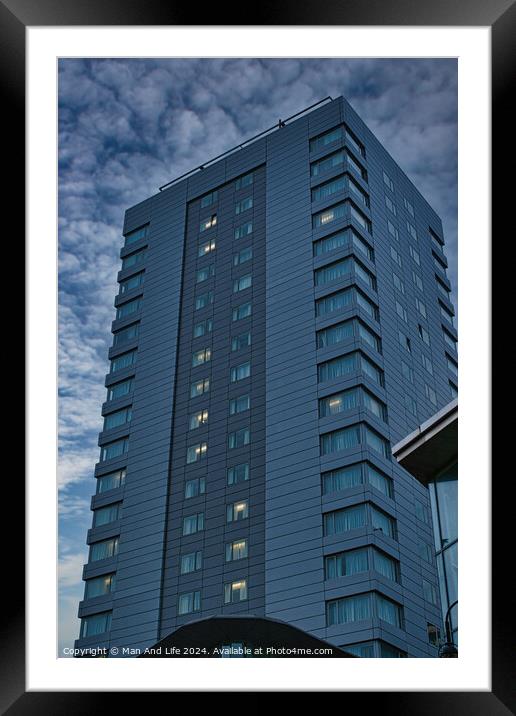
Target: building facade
{"type": "Point", "coordinates": [430, 454]}
{"type": "Point", "coordinates": [283, 318]}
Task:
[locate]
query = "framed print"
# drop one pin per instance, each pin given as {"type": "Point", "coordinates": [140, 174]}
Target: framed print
{"type": "Point", "coordinates": [187, 139]}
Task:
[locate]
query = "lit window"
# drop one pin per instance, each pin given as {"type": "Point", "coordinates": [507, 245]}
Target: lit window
{"type": "Point", "coordinates": [235, 592]}
{"type": "Point", "coordinates": [208, 223]}
{"type": "Point", "coordinates": [198, 419]}
{"type": "Point", "coordinates": [206, 248]}
{"type": "Point", "coordinates": [201, 357]}
{"type": "Point", "coordinates": [236, 550]}
{"type": "Point", "coordinates": [237, 511]}
{"type": "Point", "coordinates": [196, 452]}
{"type": "Point", "coordinates": [199, 387]}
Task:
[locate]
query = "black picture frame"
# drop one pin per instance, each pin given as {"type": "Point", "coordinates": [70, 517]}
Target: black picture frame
{"type": "Point", "coordinates": [500, 15]}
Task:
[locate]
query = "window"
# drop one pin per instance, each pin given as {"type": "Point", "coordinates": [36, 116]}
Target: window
{"type": "Point", "coordinates": [433, 633]}
{"type": "Point", "coordinates": [417, 281]}
{"type": "Point", "coordinates": [342, 439]}
{"type": "Point", "coordinates": [244, 181]}
{"type": "Point", "coordinates": [445, 313]}
{"type": "Point", "coordinates": [133, 259]}
{"type": "Point", "coordinates": [195, 487]}
{"type": "Point", "coordinates": [329, 273]}
{"type": "Point", "coordinates": [430, 394]}
{"type": "Point", "coordinates": [393, 231]}
{"type": "Point", "coordinates": [391, 652]}
{"type": "Point", "coordinates": [388, 181]}
{"type": "Point", "coordinates": [436, 240]}
{"type": "Point", "coordinates": [239, 438]}
{"type": "Point", "coordinates": [398, 283]}
{"type": "Point", "coordinates": [423, 334]}
{"type": "Point", "coordinates": [364, 275]}
{"type": "Point", "coordinates": [421, 307]}
{"type": "Point", "coordinates": [341, 479]}
{"type": "Point", "coordinates": [407, 372]}
{"type": "Point", "coordinates": [443, 290]}
{"type": "Point", "coordinates": [242, 256]}
{"type": "Point", "coordinates": [348, 399]}
{"type": "Point", "coordinates": [240, 284]}
{"type": "Point", "coordinates": [410, 405]}
{"type": "Point", "coordinates": [454, 391]}
{"type": "Point", "coordinates": [426, 552]}
{"type": "Point", "coordinates": [427, 364]}
{"type": "Point", "coordinates": [99, 586]}
{"type": "Point", "coordinates": [322, 166]}
{"type": "Point", "coordinates": [131, 283]}
{"type": "Point", "coordinates": [244, 230]}
{"type": "Point", "coordinates": [119, 390]}
{"type": "Point", "coordinates": [323, 191]}
{"type": "Point", "coordinates": [105, 515]}
{"type": "Point", "coordinates": [344, 564]}
{"type": "Point", "coordinates": [236, 550]}
{"type": "Point", "coordinates": [237, 511]}
{"type": "Point", "coordinates": [203, 300]}
{"type": "Point", "coordinates": [358, 193]}
{"type": "Point", "coordinates": [422, 512]}
{"type": "Point", "coordinates": [329, 137]}
{"type": "Point", "coordinates": [340, 366]}
{"type": "Point", "coordinates": [439, 264]}
{"type": "Point", "coordinates": [387, 566]}
{"type": "Point", "coordinates": [193, 524]}
{"type": "Point", "coordinates": [199, 387]}
{"type": "Point", "coordinates": [388, 611]}
{"type": "Point", "coordinates": [126, 360]}
{"type": "Point", "coordinates": [189, 602]}
{"type": "Point", "coordinates": [239, 405]}
{"type": "Point", "coordinates": [379, 481]}
{"type": "Point", "coordinates": [191, 562]}
{"type": "Point", "coordinates": [118, 418]}
{"type": "Point", "coordinates": [206, 248]}
{"type": "Point", "coordinates": [356, 166]}
{"type": "Point", "coordinates": [95, 624]}
{"type": "Point", "coordinates": [235, 592]}
{"type": "Point", "coordinates": [241, 341]}
{"type": "Point", "coordinates": [127, 334]}
{"type": "Point", "coordinates": [360, 218]}
{"type": "Point", "coordinates": [196, 452]}
{"type": "Point", "coordinates": [390, 205]}
{"type": "Point", "coordinates": [365, 649]}
{"type": "Point", "coordinates": [355, 143]}
{"type": "Point", "coordinates": [396, 257]}
{"type": "Point", "coordinates": [369, 337]}
{"type": "Point", "coordinates": [401, 311]}
{"type": "Point", "coordinates": [240, 372]}
{"type": "Point", "coordinates": [104, 550]}
{"type": "Point", "coordinates": [408, 206]}
{"type": "Point", "coordinates": [329, 215]}
{"type": "Point", "coordinates": [127, 309]}
{"type": "Point", "coordinates": [238, 473]}
{"type": "Point", "coordinates": [349, 609]}
{"type": "Point", "coordinates": [411, 230]}
{"type": "Point", "coordinates": [111, 481]}
{"type": "Point", "coordinates": [208, 223]}
{"type": "Point", "coordinates": [415, 255]}
{"type": "Point", "coordinates": [376, 442]}
{"type": "Point", "coordinates": [133, 236]}
{"type": "Point", "coordinates": [452, 366]}
{"type": "Point", "coordinates": [201, 357]}
{"type": "Point", "coordinates": [430, 593]}
{"type": "Point", "coordinates": [198, 419]}
{"type": "Point", "coordinates": [209, 199]}
{"type": "Point", "coordinates": [203, 328]}
{"type": "Point", "coordinates": [404, 342]}
{"type": "Point", "coordinates": [242, 311]}
{"type": "Point", "coordinates": [342, 299]}
{"type": "Point", "coordinates": [205, 273]}
{"type": "Point", "coordinates": [114, 449]}
{"type": "Point", "coordinates": [244, 205]}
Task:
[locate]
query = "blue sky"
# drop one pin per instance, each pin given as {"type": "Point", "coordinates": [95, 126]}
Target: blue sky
{"type": "Point", "coordinates": [126, 127]}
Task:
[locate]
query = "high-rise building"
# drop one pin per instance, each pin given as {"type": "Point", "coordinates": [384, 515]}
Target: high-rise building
{"type": "Point", "coordinates": [283, 318]}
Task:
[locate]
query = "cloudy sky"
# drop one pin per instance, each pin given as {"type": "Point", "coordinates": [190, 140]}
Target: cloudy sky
{"type": "Point", "coordinates": [128, 126]}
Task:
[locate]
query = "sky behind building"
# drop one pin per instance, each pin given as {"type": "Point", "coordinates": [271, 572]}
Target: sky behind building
{"type": "Point", "coordinates": [128, 126]}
